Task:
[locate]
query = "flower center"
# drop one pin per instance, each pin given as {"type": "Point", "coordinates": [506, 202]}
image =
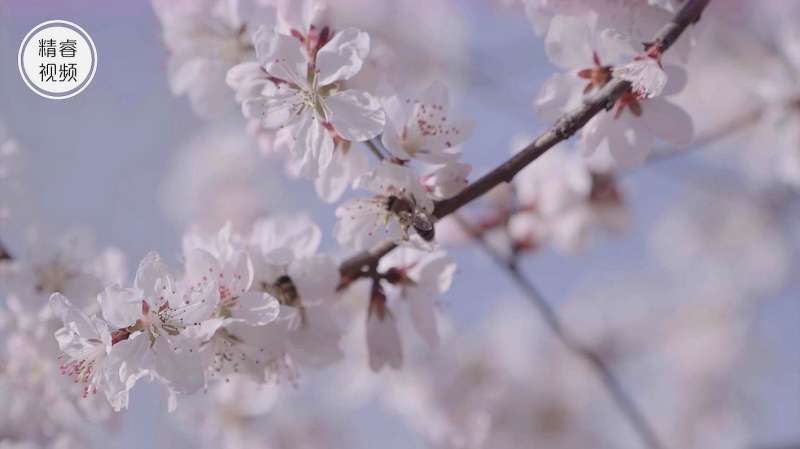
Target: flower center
{"type": "Point", "coordinates": [598, 76]}
{"type": "Point", "coordinates": [81, 368]}
{"type": "Point", "coordinates": [631, 101]}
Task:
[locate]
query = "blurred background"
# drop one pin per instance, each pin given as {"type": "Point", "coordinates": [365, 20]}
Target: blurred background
{"type": "Point", "coordinates": [135, 166]}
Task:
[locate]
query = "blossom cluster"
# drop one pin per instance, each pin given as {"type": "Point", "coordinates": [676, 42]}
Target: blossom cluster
{"type": "Point", "coordinates": [256, 305]}
{"type": "Point", "coordinates": [264, 304]}
{"type": "Point", "coordinates": [259, 305]}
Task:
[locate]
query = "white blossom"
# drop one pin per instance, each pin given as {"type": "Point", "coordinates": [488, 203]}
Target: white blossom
{"type": "Point", "coordinates": [422, 128]}
{"type": "Point", "coordinates": [561, 200]}
{"type": "Point", "coordinates": [400, 205]}
{"type": "Point", "coordinates": [205, 38]}
{"type": "Point", "coordinates": [628, 132]}
{"type": "Point", "coordinates": [646, 76]}
{"type": "Point", "coordinates": [152, 317]}
{"type": "Point", "coordinates": [417, 278]}
{"type": "Point", "coordinates": [85, 343]}
{"type": "Point", "coordinates": [447, 180]}
{"type": "Point", "coordinates": [301, 94]}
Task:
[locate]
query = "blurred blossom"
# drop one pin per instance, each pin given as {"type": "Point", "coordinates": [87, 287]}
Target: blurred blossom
{"type": "Point", "coordinates": [408, 59]}
{"type": "Point", "coordinates": [272, 342]}
{"type": "Point", "coordinates": [728, 241]}
{"type": "Point", "coordinates": [10, 161]}
{"type": "Point", "coordinates": [30, 378]}
{"type": "Point", "coordinates": [204, 39]}
{"type": "Point", "coordinates": [242, 414]}
{"type": "Point", "coordinates": [70, 264]}
{"type": "Point", "coordinates": [763, 117]}
{"type": "Point", "coordinates": [218, 177]}
{"type": "Point", "coordinates": [680, 348]}
{"type": "Point", "coordinates": [228, 415]}
{"type": "Point", "coordinates": [498, 386]}
{"type": "Point", "coordinates": [562, 200]}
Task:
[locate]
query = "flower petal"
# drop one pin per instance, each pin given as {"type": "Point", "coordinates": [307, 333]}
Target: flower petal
{"type": "Point", "coordinates": [284, 237]}
{"type": "Point", "coordinates": [342, 57]}
{"type": "Point", "coordinates": [121, 307]}
{"type": "Point", "coordinates": [356, 115]}
{"type": "Point", "coordinates": [315, 277]}
{"type": "Point", "coordinates": [275, 106]}
{"type": "Point", "coordinates": [567, 42]}
{"type": "Point", "coordinates": [346, 166]}
{"type": "Point", "coordinates": [383, 342]}
{"type": "Point", "coordinates": [646, 76]}
{"type": "Point", "coordinates": [282, 56]}
{"type": "Point", "coordinates": [313, 146]}
{"type": "Point", "coordinates": [151, 268]}
{"type": "Point", "coordinates": [668, 121]}
{"type": "Point", "coordinates": [180, 369]}
{"type": "Point", "coordinates": [423, 316]}
{"type": "Point", "coordinates": [256, 308]}
{"type": "Point", "coordinates": [69, 314]}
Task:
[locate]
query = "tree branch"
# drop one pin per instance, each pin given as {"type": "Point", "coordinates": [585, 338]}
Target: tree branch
{"type": "Point", "coordinates": [4, 253]}
{"type": "Point", "coordinates": [563, 129]}
{"type": "Point", "coordinates": [622, 399]}
{"type": "Point", "coordinates": [573, 121]}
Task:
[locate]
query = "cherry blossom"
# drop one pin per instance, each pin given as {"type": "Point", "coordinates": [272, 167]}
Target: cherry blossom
{"type": "Point", "coordinates": [768, 117]}
{"type": "Point", "coordinates": [628, 132]}
{"type": "Point", "coordinates": [69, 264]}
{"type": "Point", "coordinates": [422, 128]}
{"type": "Point", "coordinates": [561, 200]}
{"type": "Point", "coordinates": [306, 20]}
{"type": "Point", "coordinates": [288, 265]}
{"type": "Point", "coordinates": [645, 74]}
{"type": "Point", "coordinates": [151, 318]}
{"type": "Point", "coordinates": [401, 205]}
{"type": "Point", "coordinates": [587, 54]}
{"type": "Point", "coordinates": [416, 278]}
{"type": "Point", "coordinates": [447, 180]}
{"type": "Point", "coordinates": [206, 38]}
{"type": "Point", "coordinates": [265, 316]}
{"type": "Point", "coordinates": [300, 94]}
{"type": "Point", "coordinates": [85, 343]}
{"type": "Point", "coordinates": [274, 315]}
{"type": "Point", "coordinates": [639, 117]}
{"type": "Point", "coordinates": [629, 21]}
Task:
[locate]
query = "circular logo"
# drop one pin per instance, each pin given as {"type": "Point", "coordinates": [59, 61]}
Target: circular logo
{"type": "Point", "coordinates": [57, 59]}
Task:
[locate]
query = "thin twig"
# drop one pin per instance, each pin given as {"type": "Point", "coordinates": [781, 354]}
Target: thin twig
{"type": "Point", "coordinates": [374, 148]}
{"type": "Point", "coordinates": [563, 129]}
{"type": "Point", "coordinates": [5, 254]}
{"type": "Point", "coordinates": [623, 400]}
{"type": "Point", "coordinates": [573, 121]}
{"type": "Point", "coordinates": [780, 446]}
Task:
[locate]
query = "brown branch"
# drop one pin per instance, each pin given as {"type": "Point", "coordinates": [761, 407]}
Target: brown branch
{"type": "Point", "coordinates": [563, 129]}
{"type": "Point", "coordinates": [364, 262]}
{"type": "Point", "coordinates": [4, 253]}
{"type": "Point", "coordinates": [573, 121]}
{"type": "Point", "coordinates": [622, 399]}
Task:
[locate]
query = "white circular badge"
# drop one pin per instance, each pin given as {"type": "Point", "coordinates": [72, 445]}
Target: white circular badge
{"type": "Point", "coordinates": [57, 59]}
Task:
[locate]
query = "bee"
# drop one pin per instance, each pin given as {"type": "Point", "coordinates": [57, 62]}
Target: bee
{"type": "Point", "coordinates": [288, 295]}
{"type": "Point", "coordinates": [411, 217]}
{"type": "Point", "coordinates": [287, 289]}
